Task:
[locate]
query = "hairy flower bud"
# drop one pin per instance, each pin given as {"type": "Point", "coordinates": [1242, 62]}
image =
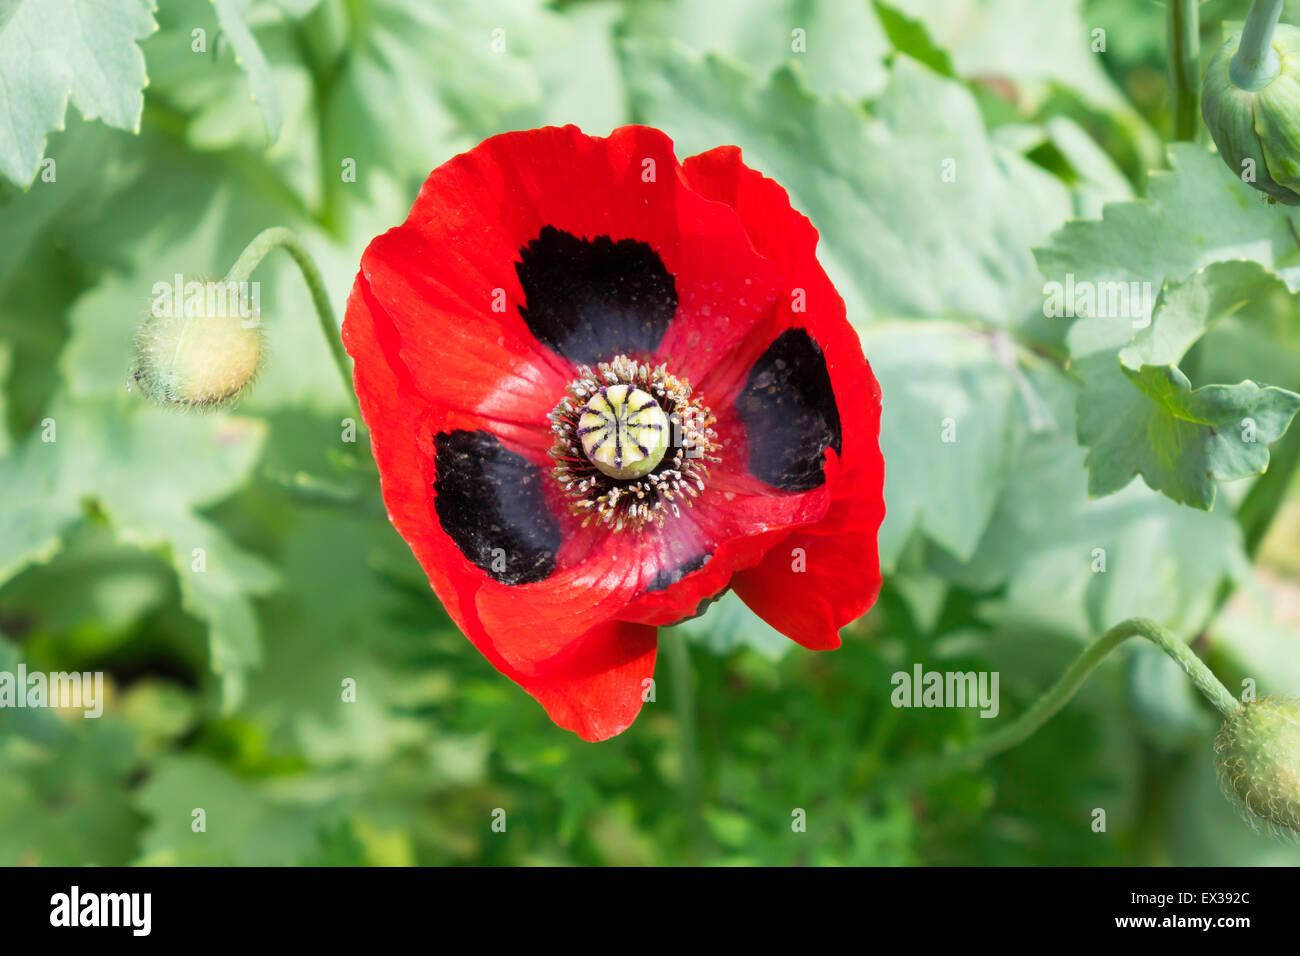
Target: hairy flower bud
{"type": "Point", "coordinates": [1259, 764]}
{"type": "Point", "coordinates": [200, 349]}
{"type": "Point", "coordinates": [1253, 113]}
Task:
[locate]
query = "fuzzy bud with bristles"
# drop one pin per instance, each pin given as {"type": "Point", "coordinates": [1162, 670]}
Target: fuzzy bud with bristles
{"type": "Point", "coordinates": [205, 354]}
{"type": "Point", "coordinates": [1259, 764]}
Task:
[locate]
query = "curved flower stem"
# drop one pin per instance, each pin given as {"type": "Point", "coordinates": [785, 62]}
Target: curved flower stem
{"type": "Point", "coordinates": [1060, 693]}
{"type": "Point", "coordinates": [1184, 31]}
{"type": "Point", "coordinates": [1256, 63]}
{"type": "Point", "coordinates": [280, 237]}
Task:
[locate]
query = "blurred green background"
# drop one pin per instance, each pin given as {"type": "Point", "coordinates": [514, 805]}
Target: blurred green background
{"type": "Point", "coordinates": [225, 684]}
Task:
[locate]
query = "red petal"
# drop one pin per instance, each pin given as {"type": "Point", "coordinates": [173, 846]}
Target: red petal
{"type": "Point", "coordinates": [734, 521]}
{"type": "Point", "coordinates": [401, 439]}
{"type": "Point", "coordinates": [435, 330]}
{"type": "Point", "coordinates": [842, 575]}
{"type": "Point", "coordinates": [476, 211]}
{"type": "Point", "coordinates": [840, 570]}
{"type": "Point", "coordinates": [599, 689]}
{"type": "Point", "coordinates": [434, 277]}
{"type": "Point", "coordinates": [461, 353]}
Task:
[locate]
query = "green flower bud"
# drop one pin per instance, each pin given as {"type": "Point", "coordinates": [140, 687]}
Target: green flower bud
{"type": "Point", "coordinates": [1252, 108]}
{"type": "Point", "coordinates": [202, 355]}
{"type": "Point", "coordinates": [1259, 764]}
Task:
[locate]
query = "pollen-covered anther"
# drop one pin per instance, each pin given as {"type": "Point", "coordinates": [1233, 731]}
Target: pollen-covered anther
{"type": "Point", "coordinates": [631, 444]}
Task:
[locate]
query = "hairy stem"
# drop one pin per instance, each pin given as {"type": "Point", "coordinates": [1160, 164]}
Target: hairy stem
{"type": "Point", "coordinates": [1063, 690]}
{"type": "Point", "coordinates": [282, 238]}
{"type": "Point", "coordinates": [1256, 63]}
{"type": "Point", "coordinates": [1184, 32]}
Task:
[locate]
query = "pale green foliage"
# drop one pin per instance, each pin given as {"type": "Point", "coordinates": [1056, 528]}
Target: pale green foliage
{"type": "Point", "coordinates": [306, 689]}
{"type": "Point", "coordinates": [249, 56]}
{"type": "Point", "coordinates": [1140, 415]}
{"type": "Point", "coordinates": [53, 52]}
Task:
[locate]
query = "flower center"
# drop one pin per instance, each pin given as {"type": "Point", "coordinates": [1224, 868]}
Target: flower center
{"type": "Point", "coordinates": [631, 444]}
{"type": "Point", "coordinates": [624, 431]}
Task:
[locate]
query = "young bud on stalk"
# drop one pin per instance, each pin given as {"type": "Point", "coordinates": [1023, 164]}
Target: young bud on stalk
{"type": "Point", "coordinates": [1251, 104]}
{"type": "Point", "coordinates": [203, 355]}
{"type": "Point", "coordinates": [1259, 764]}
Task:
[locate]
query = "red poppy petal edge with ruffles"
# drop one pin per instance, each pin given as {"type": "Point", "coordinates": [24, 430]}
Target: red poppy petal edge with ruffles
{"type": "Point", "coordinates": [603, 387]}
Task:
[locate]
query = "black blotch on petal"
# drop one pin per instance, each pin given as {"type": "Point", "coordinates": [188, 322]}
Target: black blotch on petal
{"type": "Point", "coordinates": [789, 413]}
{"type": "Point", "coordinates": [491, 504]}
{"type": "Point", "coordinates": [593, 299]}
{"type": "Point", "coordinates": [667, 577]}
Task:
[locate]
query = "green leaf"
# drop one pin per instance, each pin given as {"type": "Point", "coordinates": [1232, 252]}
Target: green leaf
{"type": "Point", "coordinates": [455, 72]}
{"type": "Point", "coordinates": [920, 213]}
{"type": "Point", "coordinates": [1028, 42]}
{"type": "Point", "coordinates": [839, 44]}
{"type": "Point", "coordinates": [481, 81]}
{"type": "Point", "coordinates": [950, 404]}
{"type": "Point", "coordinates": [1140, 415]}
{"type": "Point", "coordinates": [910, 36]}
{"type": "Point", "coordinates": [67, 804]}
{"type": "Point", "coordinates": [1135, 32]}
{"type": "Point", "coordinates": [593, 98]}
{"type": "Point", "coordinates": [1195, 214]}
{"type": "Point", "coordinates": [191, 216]}
{"type": "Point", "coordinates": [1258, 637]}
{"type": "Point", "coordinates": [31, 723]}
{"type": "Point", "coordinates": [336, 621]}
{"type": "Point", "coordinates": [147, 470]}
{"type": "Point", "coordinates": [1067, 150]}
{"type": "Point", "coordinates": [249, 56]}
{"type": "Point", "coordinates": [242, 822]}
{"type": "Point", "coordinates": [160, 711]}
{"type": "Point", "coordinates": [1074, 564]}
{"type": "Point", "coordinates": [88, 600]}
{"type": "Point", "coordinates": [53, 51]}
{"type": "Point", "coordinates": [201, 77]}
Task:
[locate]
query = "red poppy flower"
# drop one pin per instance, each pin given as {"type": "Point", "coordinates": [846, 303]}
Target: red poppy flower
{"type": "Point", "coordinates": [602, 388]}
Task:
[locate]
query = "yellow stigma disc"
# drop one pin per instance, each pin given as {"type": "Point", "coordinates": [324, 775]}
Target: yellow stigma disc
{"type": "Point", "coordinates": [624, 432]}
